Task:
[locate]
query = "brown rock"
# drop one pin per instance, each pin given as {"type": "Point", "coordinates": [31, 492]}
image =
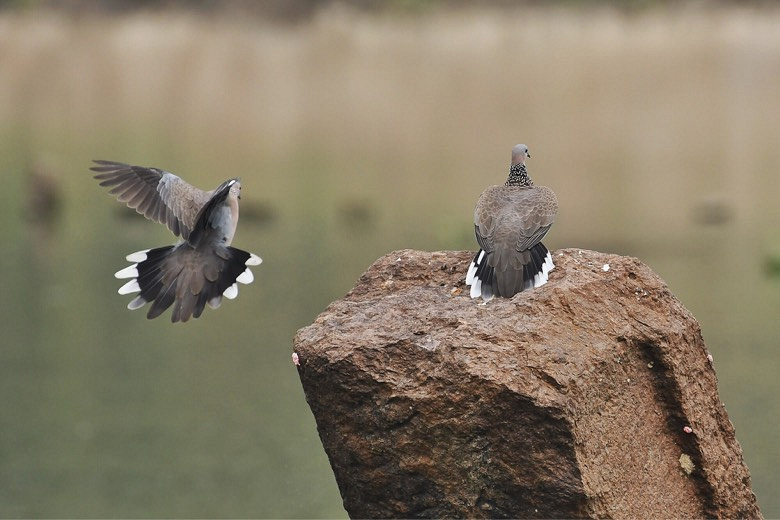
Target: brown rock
{"type": "Point", "coordinates": [592, 396]}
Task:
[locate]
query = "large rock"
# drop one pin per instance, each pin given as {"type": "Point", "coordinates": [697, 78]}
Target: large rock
{"type": "Point", "coordinates": [592, 396]}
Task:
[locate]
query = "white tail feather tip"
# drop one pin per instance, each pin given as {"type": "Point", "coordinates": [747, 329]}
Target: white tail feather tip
{"type": "Point", "coordinates": [542, 277]}
{"type": "Point", "coordinates": [548, 264]}
{"type": "Point", "coordinates": [246, 277]}
{"type": "Point", "coordinates": [136, 303]}
{"type": "Point", "coordinates": [130, 287]}
{"type": "Point", "coordinates": [254, 260]}
{"type": "Point", "coordinates": [138, 256]}
{"type": "Point", "coordinates": [231, 292]}
{"type": "Point", "coordinates": [130, 271]}
{"type": "Point", "coordinates": [539, 280]}
{"type": "Point", "coordinates": [471, 273]}
{"type": "Point", "coordinates": [476, 289]}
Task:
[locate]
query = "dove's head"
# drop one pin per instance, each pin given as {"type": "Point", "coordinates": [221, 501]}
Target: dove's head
{"type": "Point", "coordinates": [520, 154]}
{"type": "Point", "coordinates": [235, 189]}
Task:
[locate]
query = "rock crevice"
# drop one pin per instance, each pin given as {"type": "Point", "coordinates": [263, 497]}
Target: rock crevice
{"type": "Point", "coordinates": [591, 396]}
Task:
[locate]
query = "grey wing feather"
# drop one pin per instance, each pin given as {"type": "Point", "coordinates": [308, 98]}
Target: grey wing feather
{"type": "Point", "coordinates": [485, 242]}
{"type": "Point", "coordinates": [156, 194]}
{"type": "Point", "coordinates": [526, 214]}
{"type": "Point", "coordinates": [538, 217]}
{"type": "Point", "coordinates": [525, 243]}
{"type": "Point", "coordinates": [484, 223]}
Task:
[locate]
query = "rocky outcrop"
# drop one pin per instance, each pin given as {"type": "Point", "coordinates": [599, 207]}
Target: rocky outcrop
{"type": "Point", "coordinates": [592, 396]}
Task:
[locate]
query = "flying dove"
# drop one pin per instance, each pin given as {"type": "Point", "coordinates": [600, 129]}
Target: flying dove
{"type": "Point", "coordinates": [200, 269]}
{"type": "Point", "coordinates": [510, 222]}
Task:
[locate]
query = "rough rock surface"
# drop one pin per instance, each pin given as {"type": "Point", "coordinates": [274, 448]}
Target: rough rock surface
{"type": "Point", "coordinates": [592, 396]}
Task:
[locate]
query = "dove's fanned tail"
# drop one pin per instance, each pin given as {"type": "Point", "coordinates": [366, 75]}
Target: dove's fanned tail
{"type": "Point", "coordinates": [186, 278]}
{"type": "Point", "coordinates": [486, 281]}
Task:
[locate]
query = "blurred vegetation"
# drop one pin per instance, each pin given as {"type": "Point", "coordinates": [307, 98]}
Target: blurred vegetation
{"type": "Point", "coordinates": [303, 9]}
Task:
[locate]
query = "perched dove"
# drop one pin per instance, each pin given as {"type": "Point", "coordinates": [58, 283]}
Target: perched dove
{"type": "Point", "coordinates": [200, 269]}
{"type": "Point", "coordinates": [510, 222]}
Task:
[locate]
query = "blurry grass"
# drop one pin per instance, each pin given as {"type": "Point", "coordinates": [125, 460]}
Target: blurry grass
{"type": "Point", "coordinates": [681, 104]}
{"type": "Point", "coordinates": [357, 135]}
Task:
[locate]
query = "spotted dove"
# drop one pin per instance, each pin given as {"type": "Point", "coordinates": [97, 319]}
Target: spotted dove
{"type": "Point", "coordinates": [200, 269]}
{"type": "Point", "coordinates": [510, 222]}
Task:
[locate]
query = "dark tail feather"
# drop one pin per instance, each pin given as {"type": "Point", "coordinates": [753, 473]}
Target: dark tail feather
{"type": "Point", "coordinates": [540, 265]}
{"type": "Point", "coordinates": [186, 278]}
{"type": "Point", "coordinates": [481, 277]}
{"type": "Point", "coordinates": [535, 266]}
{"type": "Point", "coordinates": [486, 282]}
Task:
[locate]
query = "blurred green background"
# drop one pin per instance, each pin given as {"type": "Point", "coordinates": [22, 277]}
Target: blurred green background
{"type": "Point", "coordinates": [356, 130]}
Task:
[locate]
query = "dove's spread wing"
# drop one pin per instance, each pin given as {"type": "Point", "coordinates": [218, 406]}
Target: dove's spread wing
{"type": "Point", "coordinates": [156, 194]}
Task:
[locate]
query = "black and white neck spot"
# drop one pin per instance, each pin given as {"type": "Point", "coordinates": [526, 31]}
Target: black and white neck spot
{"type": "Point", "coordinates": [518, 176]}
